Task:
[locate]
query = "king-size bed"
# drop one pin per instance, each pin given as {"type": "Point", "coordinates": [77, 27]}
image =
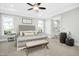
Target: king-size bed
{"type": "Point", "coordinates": [28, 33]}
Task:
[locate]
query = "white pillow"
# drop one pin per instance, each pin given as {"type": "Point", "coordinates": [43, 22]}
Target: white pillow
{"type": "Point", "coordinates": [21, 33]}
{"type": "Point", "coordinates": [28, 33]}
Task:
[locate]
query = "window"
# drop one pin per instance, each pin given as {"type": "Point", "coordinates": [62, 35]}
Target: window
{"type": "Point", "coordinates": [40, 26]}
{"type": "Point", "coordinates": [7, 23]}
{"type": "Point", "coordinates": [55, 23]}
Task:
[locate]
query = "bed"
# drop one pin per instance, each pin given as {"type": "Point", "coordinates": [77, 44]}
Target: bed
{"type": "Point", "coordinates": [30, 38]}
{"type": "Point", "coordinates": [21, 40]}
{"type": "Point", "coordinates": [28, 35]}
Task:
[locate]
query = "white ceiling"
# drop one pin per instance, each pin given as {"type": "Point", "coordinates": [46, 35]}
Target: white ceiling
{"type": "Point", "coordinates": [51, 9]}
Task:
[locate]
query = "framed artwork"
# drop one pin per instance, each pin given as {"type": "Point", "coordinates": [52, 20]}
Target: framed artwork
{"type": "Point", "coordinates": [27, 21]}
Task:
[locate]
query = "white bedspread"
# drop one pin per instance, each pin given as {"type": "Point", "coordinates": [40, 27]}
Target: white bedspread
{"type": "Point", "coordinates": [23, 38]}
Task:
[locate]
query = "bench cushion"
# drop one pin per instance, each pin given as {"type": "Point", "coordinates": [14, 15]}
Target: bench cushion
{"type": "Point", "coordinates": [36, 43]}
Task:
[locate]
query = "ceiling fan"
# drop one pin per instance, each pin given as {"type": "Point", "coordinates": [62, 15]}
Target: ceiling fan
{"type": "Point", "coordinates": [36, 7]}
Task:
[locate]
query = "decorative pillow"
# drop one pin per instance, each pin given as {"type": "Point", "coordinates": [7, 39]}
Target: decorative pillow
{"type": "Point", "coordinates": [21, 33]}
{"type": "Point", "coordinates": [28, 33]}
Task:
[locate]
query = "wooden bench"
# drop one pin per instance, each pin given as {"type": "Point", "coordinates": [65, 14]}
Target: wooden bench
{"type": "Point", "coordinates": [36, 43]}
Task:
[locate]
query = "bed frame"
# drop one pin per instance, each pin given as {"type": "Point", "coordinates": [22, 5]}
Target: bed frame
{"type": "Point", "coordinates": [21, 44]}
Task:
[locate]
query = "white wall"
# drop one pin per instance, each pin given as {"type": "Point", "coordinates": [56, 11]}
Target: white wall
{"type": "Point", "coordinates": [48, 27]}
{"type": "Point", "coordinates": [18, 21]}
{"type": "Point", "coordinates": [70, 22]}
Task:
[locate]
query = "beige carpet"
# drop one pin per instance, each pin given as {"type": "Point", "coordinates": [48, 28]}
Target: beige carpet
{"type": "Point", "coordinates": [55, 49]}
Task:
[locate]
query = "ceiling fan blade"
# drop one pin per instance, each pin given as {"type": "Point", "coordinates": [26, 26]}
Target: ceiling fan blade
{"type": "Point", "coordinates": [42, 8]}
{"type": "Point", "coordinates": [29, 4]}
{"type": "Point", "coordinates": [30, 9]}
{"type": "Point", "coordinates": [38, 4]}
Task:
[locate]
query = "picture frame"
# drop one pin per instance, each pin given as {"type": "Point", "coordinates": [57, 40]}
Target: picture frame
{"type": "Point", "coordinates": [27, 21]}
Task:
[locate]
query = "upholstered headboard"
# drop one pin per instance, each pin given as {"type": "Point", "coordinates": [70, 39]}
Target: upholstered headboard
{"type": "Point", "coordinates": [26, 28]}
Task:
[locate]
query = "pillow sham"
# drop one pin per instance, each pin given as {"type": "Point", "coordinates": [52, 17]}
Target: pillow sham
{"type": "Point", "coordinates": [21, 33]}
{"type": "Point", "coordinates": [28, 33]}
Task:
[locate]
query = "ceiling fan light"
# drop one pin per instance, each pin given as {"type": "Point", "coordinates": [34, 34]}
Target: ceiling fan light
{"type": "Point", "coordinates": [35, 8]}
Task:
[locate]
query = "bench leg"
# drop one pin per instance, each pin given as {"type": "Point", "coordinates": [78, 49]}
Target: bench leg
{"type": "Point", "coordinates": [43, 45]}
{"type": "Point", "coordinates": [46, 46]}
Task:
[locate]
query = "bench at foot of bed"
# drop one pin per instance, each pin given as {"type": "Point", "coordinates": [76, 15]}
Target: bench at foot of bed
{"type": "Point", "coordinates": [36, 43]}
